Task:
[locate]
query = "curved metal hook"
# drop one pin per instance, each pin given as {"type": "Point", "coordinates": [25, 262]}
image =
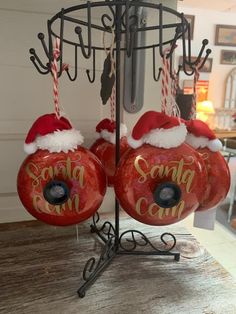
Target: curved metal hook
{"type": "Point", "coordinates": [208, 51]}
{"type": "Point", "coordinates": [92, 79]}
{"type": "Point", "coordinates": [204, 43]}
{"type": "Point", "coordinates": [107, 26]}
{"type": "Point", "coordinates": [60, 58]}
{"type": "Point", "coordinates": [156, 77]}
{"type": "Point", "coordinates": [76, 67]}
{"type": "Point", "coordinates": [41, 38]}
{"type": "Point", "coordinates": [32, 58]}
{"type": "Point", "coordinates": [161, 31]}
{"type": "Point", "coordinates": [78, 31]}
{"type": "Point", "coordinates": [34, 54]}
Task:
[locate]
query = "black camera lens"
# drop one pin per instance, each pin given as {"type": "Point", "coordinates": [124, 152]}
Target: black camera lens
{"type": "Point", "coordinates": [56, 192]}
{"type": "Point", "coordinates": [167, 194]}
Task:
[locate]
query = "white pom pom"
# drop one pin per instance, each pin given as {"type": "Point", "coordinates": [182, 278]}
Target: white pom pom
{"type": "Point", "coordinates": [60, 141]}
{"type": "Point", "coordinates": [30, 148]}
{"type": "Point", "coordinates": [215, 145]}
{"type": "Point", "coordinates": [111, 136]}
{"type": "Point", "coordinates": [135, 143]}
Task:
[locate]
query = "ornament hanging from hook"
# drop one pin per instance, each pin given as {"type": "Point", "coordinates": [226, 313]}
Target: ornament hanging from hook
{"type": "Point", "coordinates": [108, 74]}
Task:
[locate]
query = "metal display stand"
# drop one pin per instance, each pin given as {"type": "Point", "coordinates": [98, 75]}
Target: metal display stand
{"type": "Point", "coordinates": [116, 15]}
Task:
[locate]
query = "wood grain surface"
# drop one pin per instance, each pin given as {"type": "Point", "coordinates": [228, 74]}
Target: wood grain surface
{"type": "Point", "coordinates": [41, 267]}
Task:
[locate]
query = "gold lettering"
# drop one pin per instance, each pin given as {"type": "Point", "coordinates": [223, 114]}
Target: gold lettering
{"type": "Point", "coordinates": [137, 166]}
{"type": "Point", "coordinates": [78, 174]}
{"type": "Point", "coordinates": [142, 208]}
{"type": "Point", "coordinates": [157, 171]}
{"type": "Point", "coordinates": [47, 173]}
{"type": "Point", "coordinates": [177, 172]}
{"type": "Point", "coordinates": [151, 208]}
{"type": "Point", "coordinates": [138, 205]}
{"type": "Point", "coordinates": [36, 200]}
{"type": "Point", "coordinates": [31, 169]}
{"type": "Point", "coordinates": [63, 168]}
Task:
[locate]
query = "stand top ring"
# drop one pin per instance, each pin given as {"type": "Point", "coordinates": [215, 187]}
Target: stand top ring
{"type": "Point", "coordinates": [68, 18]}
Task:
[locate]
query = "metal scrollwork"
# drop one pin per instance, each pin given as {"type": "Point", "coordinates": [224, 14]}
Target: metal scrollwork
{"type": "Point", "coordinates": [136, 239]}
{"type": "Point", "coordinates": [106, 231]}
{"type": "Point", "coordinates": [92, 265]}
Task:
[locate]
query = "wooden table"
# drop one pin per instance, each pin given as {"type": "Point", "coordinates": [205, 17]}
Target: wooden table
{"type": "Point", "coordinates": [225, 133]}
{"type": "Point", "coordinates": [40, 271]}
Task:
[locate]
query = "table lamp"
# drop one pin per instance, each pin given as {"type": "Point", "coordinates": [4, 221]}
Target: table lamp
{"type": "Point", "coordinates": [204, 108]}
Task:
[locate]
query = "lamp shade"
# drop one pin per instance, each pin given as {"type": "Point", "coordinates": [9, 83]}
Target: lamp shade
{"type": "Point", "coordinates": [205, 106]}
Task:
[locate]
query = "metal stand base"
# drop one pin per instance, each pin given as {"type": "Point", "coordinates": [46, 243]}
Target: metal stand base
{"type": "Point", "coordinates": [126, 244]}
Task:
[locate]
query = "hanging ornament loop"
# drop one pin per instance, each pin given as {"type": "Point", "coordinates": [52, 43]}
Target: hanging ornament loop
{"type": "Point", "coordinates": [169, 85]}
{"type": "Point", "coordinates": [194, 104]}
{"type": "Point", "coordinates": [108, 74]}
{"type": "Point", "coordinates": [54, 70]}
{"type": "Point", "coordinates": [109, 51]}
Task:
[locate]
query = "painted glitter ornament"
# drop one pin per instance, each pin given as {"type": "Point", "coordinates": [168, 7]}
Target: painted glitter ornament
{"type": "Point", "coordinates": [60, 182]}
{"type": "Point", "coordinates": [161, 180]}
{"type": "Point", "coordinates": [105, 149]}
{"type": "Point", "coordinates": [204, 141]}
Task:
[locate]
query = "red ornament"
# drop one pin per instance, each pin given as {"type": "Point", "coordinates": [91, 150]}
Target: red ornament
{"type": "Point", "coordinates": [106, 152]}
{"type": "Point", "coordinates": [160, 186]}
{"type": "Point", "coordinates": [162, 180]}
{"type": "Point", "coordinates": [218, 182]}
{"type": "Point", "coordinates": [105, 149]}
{"type": "Point", "coordinates": [61, 188]}
{"type": "Point", "coordinates": [203, 139]}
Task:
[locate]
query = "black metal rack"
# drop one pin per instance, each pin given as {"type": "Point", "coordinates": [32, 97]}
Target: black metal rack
{"type": "Point", "coordinates": [117, 15]}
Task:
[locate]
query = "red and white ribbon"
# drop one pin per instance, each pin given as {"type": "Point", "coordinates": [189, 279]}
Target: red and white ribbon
{"type": "Point", "coordinates": [54, 68]}
{"type": "Point", "coordinates": [194, 104]}
{"type": "Point", "coordinates": [113, 102]}
{"type": "Point", "coordinates": [175, 111]}
{"type": "Point", "coordinates": [165, 82]}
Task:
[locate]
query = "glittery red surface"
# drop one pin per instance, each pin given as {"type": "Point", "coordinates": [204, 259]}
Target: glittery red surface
{"type": "Point", "coordinates": [80, 170]}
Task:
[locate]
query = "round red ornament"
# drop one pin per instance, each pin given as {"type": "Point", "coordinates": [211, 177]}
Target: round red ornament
{"type": "Point", "coordinates": [162, 180]}
{"type": "Point", "coordinates": [105, 149]}
{"type": "Point", "coordinates": [61, 188]}
{"type": "Point", "coordinates": [218, 182]}
{"type": "Point", "coordinates": [148, 175]}
{"type": "Point", "coordinates": [106, 152]}
{"type": "Point", "coordinates": [60, 182]}
{"type": "Point", "coordinates": [203, 139]}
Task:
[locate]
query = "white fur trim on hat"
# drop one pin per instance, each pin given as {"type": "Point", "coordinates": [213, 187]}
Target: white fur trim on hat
{"type": "Point", "coordinates": [30, 148]}
{"type": "Point", "coordinates": [202, 141]}
{"type": "Point", "coordinates": [164, 138]}
{"type": "Point", "coordinates": [111, 137]}
{"type": "Point", "coordinates": [135, 143]}
{"type": "Point", "coordinates": [59, 141]}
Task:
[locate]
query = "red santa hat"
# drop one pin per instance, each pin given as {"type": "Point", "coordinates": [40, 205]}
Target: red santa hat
{"type": "Point", "coordinates": [200, 135]}
{"type": "Point", "coordinates": [55, 135]}
{"type": "Point", "coordinates": [158, 129]}
{"type": "Point", "coordinates": [106, 129]}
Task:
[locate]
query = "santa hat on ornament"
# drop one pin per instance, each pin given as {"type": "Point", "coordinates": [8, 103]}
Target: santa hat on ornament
{"type": "Point", "coordinates": [55, 135]}
{"type": "Point", "coordinates": [200, 135]}
{"type": "Point", "coordinates": [106, 129]}
{"type": "Point", "coordinates": [158, 129]}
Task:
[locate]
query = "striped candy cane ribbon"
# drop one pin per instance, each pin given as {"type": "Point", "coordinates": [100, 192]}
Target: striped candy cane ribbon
{"type": "Point", "coordinates": [175, 111]}
{"type": "Point", "coordinates": [194, 104]}
{"type": "Point", "coordinates": [165, 82]}
{"type": "Point", "coordinates": [54, 68]}
{"type": "Point", "coordinates": [112, 103]}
